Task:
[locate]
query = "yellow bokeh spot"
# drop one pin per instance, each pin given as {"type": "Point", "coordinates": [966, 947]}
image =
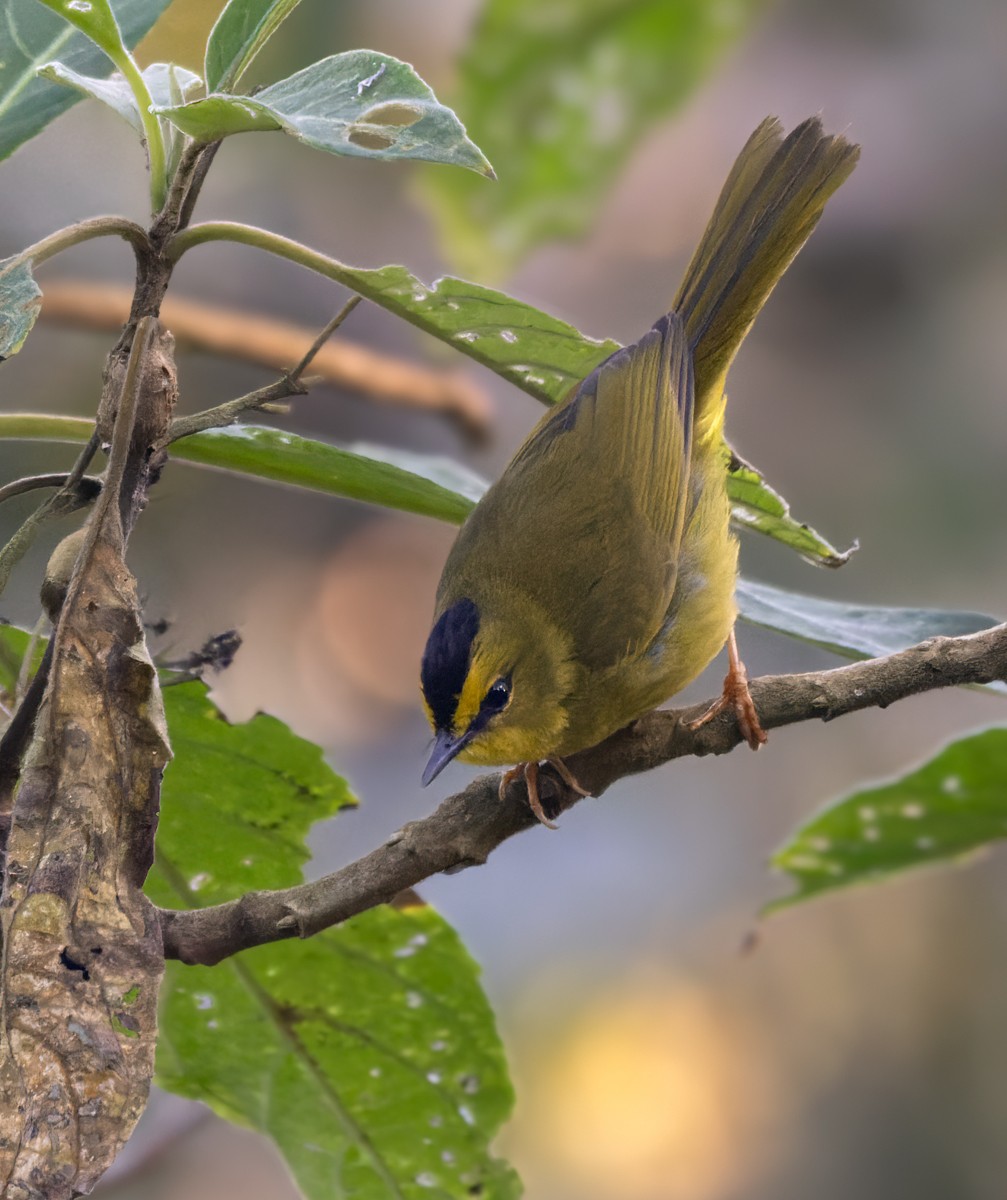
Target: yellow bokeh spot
{"type": "Point", "coordinates": [653, 1092]}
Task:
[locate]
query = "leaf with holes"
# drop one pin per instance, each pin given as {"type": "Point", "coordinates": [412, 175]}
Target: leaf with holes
{"type": "Point", "coordinates": [357, 103]}
{"type": "Point", "coordinates": [368, 1053]}
{"type": "Point", "coordinates": [953, 804]}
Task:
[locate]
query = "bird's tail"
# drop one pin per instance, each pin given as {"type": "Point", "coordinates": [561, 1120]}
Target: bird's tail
{"type": "Point", "coordinates": [773, 197]}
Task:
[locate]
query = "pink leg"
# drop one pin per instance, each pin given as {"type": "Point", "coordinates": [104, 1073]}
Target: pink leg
{"type": "Point", "coordinates": [737, 696]}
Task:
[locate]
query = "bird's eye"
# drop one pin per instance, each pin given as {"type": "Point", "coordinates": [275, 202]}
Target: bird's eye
{"type": "Point", "coordinates": [498, 696]}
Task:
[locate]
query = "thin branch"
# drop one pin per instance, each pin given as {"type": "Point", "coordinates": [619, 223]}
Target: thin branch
{"type": "Point", "coordinates": [286, 386]}
{"type": "Point", "coordinates": [186, 182]}
{"type": "Point", "coordinates": [274, 343]}
{"type": "Point", "coordinates": [72, 495]}
{"type": "Point", "coordinates": [31, 483]}
{"type": "Point", "coordinates": [203, 161]}
{"type": "Point", "coordinates": [323, 337]}
{"type": "Point", "coordinates": [468, 826]}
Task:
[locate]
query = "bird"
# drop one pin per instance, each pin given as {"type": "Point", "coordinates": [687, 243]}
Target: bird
{"type": "Point", "coordinates": [595, 578]}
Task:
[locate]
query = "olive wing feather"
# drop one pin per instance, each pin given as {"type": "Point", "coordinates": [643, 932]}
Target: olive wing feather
{"type": "Point", "coordinates": [587, 518]}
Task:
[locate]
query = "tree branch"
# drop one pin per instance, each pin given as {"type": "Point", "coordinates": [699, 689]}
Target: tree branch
{"type": "Point", "coordinates": [468, 826]}
{"type": "Point", "coordinates": [277, 344]}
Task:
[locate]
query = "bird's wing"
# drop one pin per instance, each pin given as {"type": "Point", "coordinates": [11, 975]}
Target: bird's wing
{"type": "Point", "coordinates": [587, 518]}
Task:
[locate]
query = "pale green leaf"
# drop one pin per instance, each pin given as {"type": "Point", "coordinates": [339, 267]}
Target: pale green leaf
{"type": "Point", "coordinates": [162, 80]}
{"type": "Point", "coordinates": [32, 36]}
{"type": "Point", "coordinates": [953, 804]}
{"type": "Point", "coordinates": [241, 30]}
{"type": "Point", "coordinates": [853, 630]}
{"type": "Point", "coordinates": [357, 103]}
{"type": "Point", "coordinates": [540, 354]}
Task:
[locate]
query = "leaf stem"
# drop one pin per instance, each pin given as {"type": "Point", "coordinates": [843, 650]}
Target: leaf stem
{"type": "Point", "coordinates": [152, 133]}
{"type": "Point", "coordinates": [67, 500]}
{"type": "Point", "coordinates": [262, 239]}
{"type": "Point", "coordinates": [83, 231]}
{"type": "Point", "coordinates": [31, 483]}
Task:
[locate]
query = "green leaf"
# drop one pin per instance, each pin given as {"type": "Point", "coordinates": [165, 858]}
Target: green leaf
{"type": "Point", "coordinates": [357, 103]}
{"type": "Point", "coordinates": [540, 354]}
{"type": "Point", "coordinates": [559, 96]}
{"type": "Point", "coordinates": [953, 804]}
{"type": "Point", "coordinates": [438, 468]}
{"type": "Point", "coordinates": [301, 462]}
{"type": "Point", "coordinates": [45, 427]}
{"type": "Point", "coordinates": [242, 29]}
{"type": "Point", "coordinates": [546, 357]}
{"type": "Point", "coordinates": [368, 1052]}
{"type": "Point", "coordinates": [94, 18]}
{"type": "Point", "coordinates": [20, 304]}
{"type": "Point", "coordinates": [32, 36]}
{"type": "Point", "coordinates": [161, 79]}
{"type": "Point", "coordinates": [756, 505]}
{"type": "Point", "coordinates": [238, 801]}
{"type": "Point", "coordinates": [853, 630]}
{"type": "Point", "coordinates": [286, 458]}
{"type": "Point", "coordinates": [13, 647]}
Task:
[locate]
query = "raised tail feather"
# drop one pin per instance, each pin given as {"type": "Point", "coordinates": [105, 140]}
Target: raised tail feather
{"type": "Point", "coordinates": [773, 197]}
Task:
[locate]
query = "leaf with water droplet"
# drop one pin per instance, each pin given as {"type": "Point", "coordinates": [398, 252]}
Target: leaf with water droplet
{"type": "Point", "coordinates": [951, 805]}
{"type": "Point", "coordinates": [325, 1045]}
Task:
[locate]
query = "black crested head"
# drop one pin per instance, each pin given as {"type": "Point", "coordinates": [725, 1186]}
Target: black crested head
{"type": "Point", "coordinates": [446, 659]}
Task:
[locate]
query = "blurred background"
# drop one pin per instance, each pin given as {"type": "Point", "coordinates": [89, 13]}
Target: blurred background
{"type": "Point", "coordinates": [861, 1048]}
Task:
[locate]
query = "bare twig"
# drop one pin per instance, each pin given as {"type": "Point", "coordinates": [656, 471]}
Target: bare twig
{"type": "Point", "coordinates": [70, 497]}
{"type": "Point", "coordinates": [468, 826]}
{"type": "Point", "coordinates": [276, 344]}
{"type": "Point", "coordinates": [289, 384]}
{"type": "Point", "coordinates": [31, 483]}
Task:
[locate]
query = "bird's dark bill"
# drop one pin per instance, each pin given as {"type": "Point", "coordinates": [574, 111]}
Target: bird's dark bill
{"type": "Point", "coordinates": [446, 746]}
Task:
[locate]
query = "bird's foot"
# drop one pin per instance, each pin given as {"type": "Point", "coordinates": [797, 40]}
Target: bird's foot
{"type": "Point", "coordinates": [544, 810]}
{"type": "Point", "coordinates": [736, 696]}
{"type": "Point", "coordinates": [568, 777]}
